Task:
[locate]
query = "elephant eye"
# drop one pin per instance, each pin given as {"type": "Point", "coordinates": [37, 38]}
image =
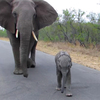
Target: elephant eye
{"type": "Point", "coordinates": [14, 14]}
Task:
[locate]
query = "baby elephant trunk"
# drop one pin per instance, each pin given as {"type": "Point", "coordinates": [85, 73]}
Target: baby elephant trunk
{"type": "Point", "coordinates": [62, 90]}
{"type": "Point", "coordinates": [64, 82]}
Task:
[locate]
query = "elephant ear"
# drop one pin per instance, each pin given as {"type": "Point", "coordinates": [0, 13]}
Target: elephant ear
{"type": "Point", "coordinates": [46, 14]}
{"type": "Point", "coordinates": [6, 17]}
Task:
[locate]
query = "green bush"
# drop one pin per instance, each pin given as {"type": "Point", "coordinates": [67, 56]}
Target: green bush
{"type": "Point", "coordinates": [3, 33]}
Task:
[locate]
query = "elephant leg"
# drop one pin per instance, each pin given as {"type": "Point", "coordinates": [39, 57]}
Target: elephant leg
{"type": "Point", "coordinates": [30, 61]}
{"type": "Point", "coordinates": [15, 48]}
{"type": "Point", "coordinates": [33, 51]}
{"type": "Point", "coordinates": [33, 55]}
{"type": "Point", "coordinates": [68, 84]}
{"type": "Point", "coordinates": [59, 77]}
{"type": "Point", "coordinates": [32, 48]}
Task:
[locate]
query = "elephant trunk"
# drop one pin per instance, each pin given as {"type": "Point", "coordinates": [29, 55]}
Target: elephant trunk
{"type": "Point", "coordinates": [64, 82]}
{"type": "Point", "coordinates": [25, 36]}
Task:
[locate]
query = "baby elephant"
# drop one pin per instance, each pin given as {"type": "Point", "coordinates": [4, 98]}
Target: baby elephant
{"type": "Point", "coordinates": [63, 70]}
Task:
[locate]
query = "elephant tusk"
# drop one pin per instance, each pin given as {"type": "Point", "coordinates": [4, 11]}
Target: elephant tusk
{"type": "Point", "coordinates": [34, 36]}
{"type": "Point", "coordinates": [16, 33]}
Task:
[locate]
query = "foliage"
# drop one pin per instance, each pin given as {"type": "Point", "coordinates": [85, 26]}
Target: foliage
{"type": "Point", "coordinates": [3, 33]}
{"type": "Point", "coordinates": [73, 26]}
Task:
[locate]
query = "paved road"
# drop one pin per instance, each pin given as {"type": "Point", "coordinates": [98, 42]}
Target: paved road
{"type": "Point", "coordinates": [41, 83]}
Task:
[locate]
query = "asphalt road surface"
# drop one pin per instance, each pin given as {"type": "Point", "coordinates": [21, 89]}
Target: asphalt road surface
{"type": "Point", "coordinates": [41, 82]}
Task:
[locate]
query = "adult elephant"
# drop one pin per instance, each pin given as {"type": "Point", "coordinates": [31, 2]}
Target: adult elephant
{"type": "Point", "coordinates": [22, 19]}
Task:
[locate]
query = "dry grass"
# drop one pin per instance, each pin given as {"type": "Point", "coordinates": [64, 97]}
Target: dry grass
{"type": "Point", "coordinates": [87, 57]}
{"type": "Point", "coordinates": [6, 39]}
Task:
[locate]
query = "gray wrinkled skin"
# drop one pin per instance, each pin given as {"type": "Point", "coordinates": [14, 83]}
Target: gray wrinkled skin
{"type": "Point", "coordinates": [63, 71]}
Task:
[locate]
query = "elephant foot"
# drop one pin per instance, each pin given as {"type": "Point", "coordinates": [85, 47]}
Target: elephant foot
{"type": "Point", "coordinates": [58, 88]}
{"type": "Point", "coordinates": [31, 63]}
{"type": "Point", "coordinates": [25, 75]}
{"type": "Point", "coordinates": [18, 71]}
{"type": "Point", "coordinates": [69, 94]}
{"type": "Point", "coordinates": [32, 66]}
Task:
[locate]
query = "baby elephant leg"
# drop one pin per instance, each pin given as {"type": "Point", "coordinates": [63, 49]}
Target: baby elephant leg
{"type": "Point", "coordinates": [59, 77]}
{"type": "Point", "coordinates": [68, 84]}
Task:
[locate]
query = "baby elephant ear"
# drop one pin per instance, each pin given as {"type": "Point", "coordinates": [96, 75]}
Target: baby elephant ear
{"type": "Point", "coordinates": [46, 14]}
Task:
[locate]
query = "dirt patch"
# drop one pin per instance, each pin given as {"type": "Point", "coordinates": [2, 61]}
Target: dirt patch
{"type": "Point", "coordinates": [86, 57]}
